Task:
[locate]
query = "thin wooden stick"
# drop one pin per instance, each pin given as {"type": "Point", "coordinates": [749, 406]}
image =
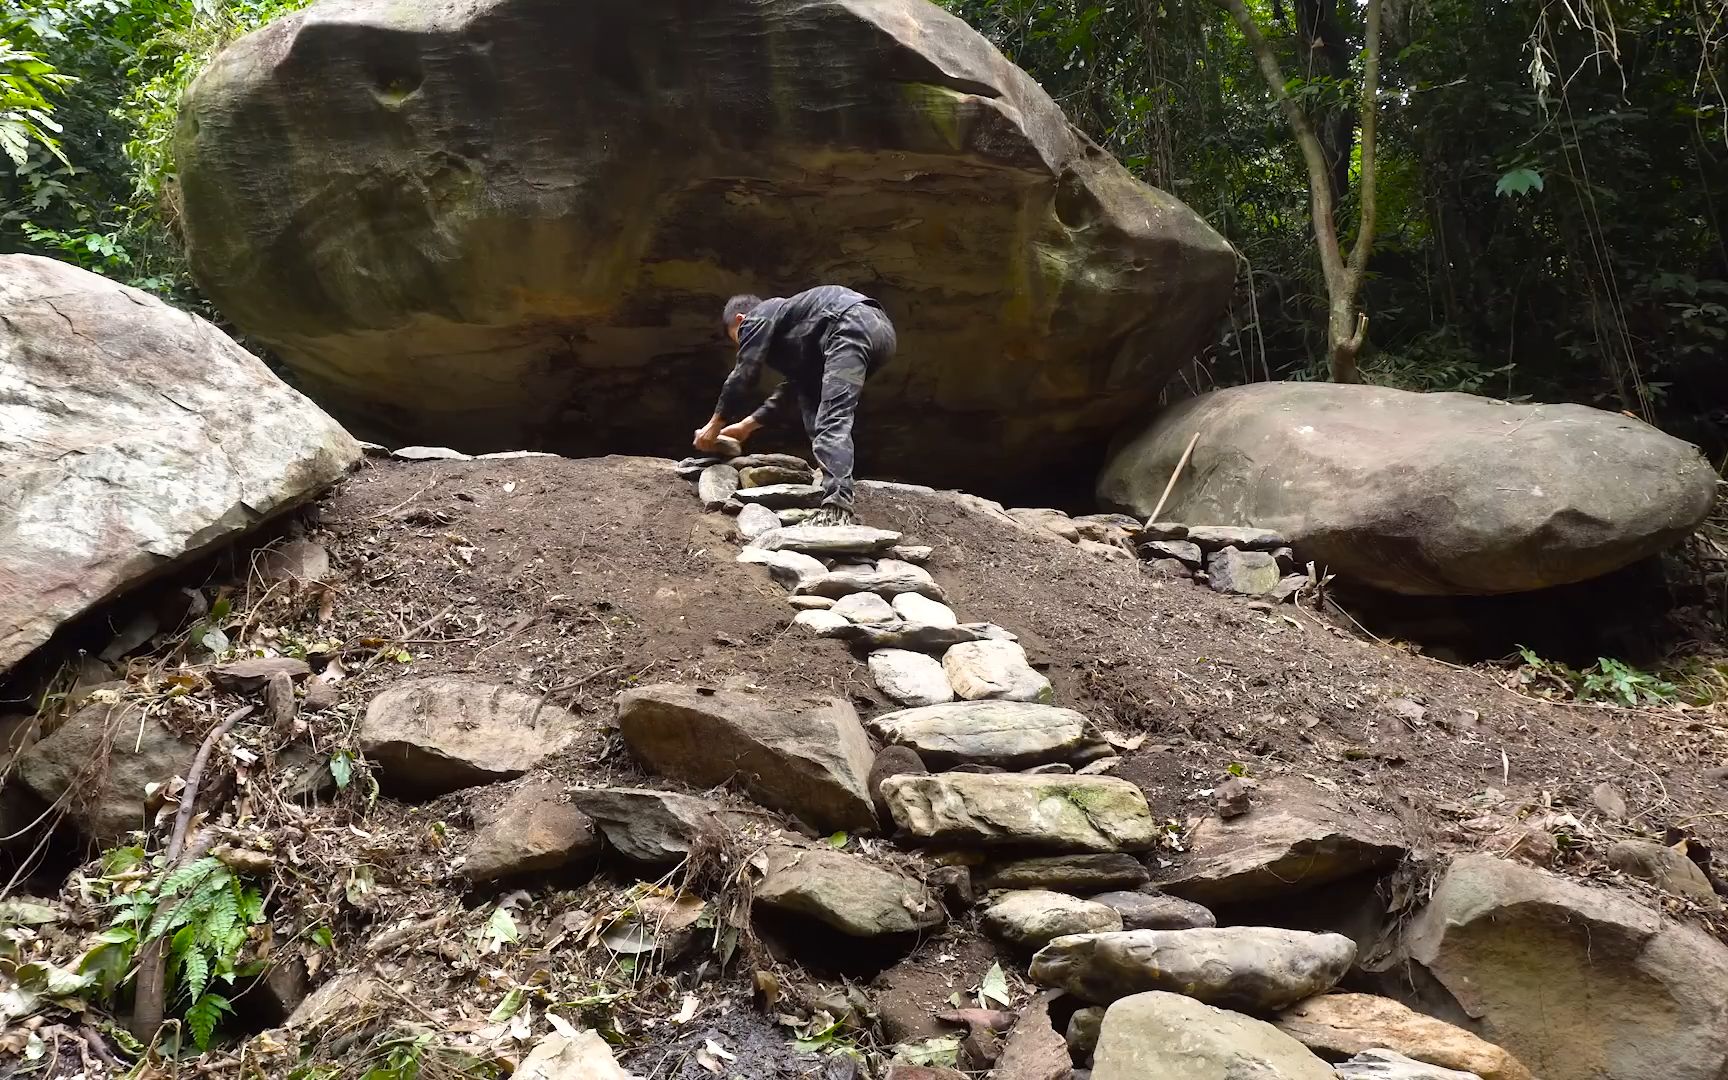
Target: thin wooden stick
{"type": "Point", "coordinates": [1174, 476]}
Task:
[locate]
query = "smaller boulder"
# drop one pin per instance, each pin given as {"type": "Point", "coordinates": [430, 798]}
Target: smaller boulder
{"type": "Point", "coordinates": [653, 827]}
{"type": "Point", "coordinates": [435, 735]}
{"type": "Point", "coordinates": [806, 756]}
{"type": "Point", "coordinates": [1297, 838]}
{"type": "Point", "coordinates": [1033, 918]}
{"type": "Point", "coordinates": [916, 554]}
{"type": "Point", "coordinates": [1155, 911]}
{"type": "Point", "coordinates": [1082, 874]}
{"type": "Point", "coordinates": [1045, 520]}
{"type": "Point", "coordinates": [1663, 867]}
{"type": "Point", "coordinates": [105, 756]}
{"type": "Point", "coordinates": [994, 669]}
{"type": "Point", "coordinates": [910, 678]}
{"type": "Point", "coordinates": [825, 623]}
{"type": "Point", "coordinates": [1245, 573]}
{"type": "Point", "coordinates": [843, 891]}
{"type": "Point", "coordinates": [297, 563]}
{"type": "Point", "coordinates": [1253, 968]}
{"type": "Point", "coordinates": [534, 831]}
{"type": "Point", "coordinates": [1166, 1036]}
{"type": "Point", "coordinates": [1082, 1034]}
{"type": "Point", "coordinates": [1339, 1025]}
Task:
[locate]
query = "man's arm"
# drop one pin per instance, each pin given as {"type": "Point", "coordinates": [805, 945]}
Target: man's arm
{"type": "Point", "coordinates": [753, 338]}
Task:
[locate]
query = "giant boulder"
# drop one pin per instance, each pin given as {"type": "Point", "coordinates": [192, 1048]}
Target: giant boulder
{"type": "Point", "coordinates": [1579, 983]}
{"type": "Point", "coordinates": [1422, 494]}
{"type": "Point", "coordinates": [133, 438]}
{"type": "Point", "coordinates": [512, 223]}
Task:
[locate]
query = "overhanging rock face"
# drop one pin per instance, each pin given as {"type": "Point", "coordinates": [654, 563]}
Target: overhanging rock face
{"type": "Point", "coordinates": [506, 223]}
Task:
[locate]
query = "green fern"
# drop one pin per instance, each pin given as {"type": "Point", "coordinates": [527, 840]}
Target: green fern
{"type": "Point", "coordinates": [205, 1013]}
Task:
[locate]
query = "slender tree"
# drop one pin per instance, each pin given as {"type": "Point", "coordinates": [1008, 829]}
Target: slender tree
{"type": "Point", "coordinates": [1347, 327]}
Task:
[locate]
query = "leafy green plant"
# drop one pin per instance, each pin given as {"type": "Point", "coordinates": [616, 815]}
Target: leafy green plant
{"type": "Point", "coordinates": [1607, 681]}
{"type": "Point", "coordinates": [203, 910]}
{"type": "Point", "coordinates": [27, 81]}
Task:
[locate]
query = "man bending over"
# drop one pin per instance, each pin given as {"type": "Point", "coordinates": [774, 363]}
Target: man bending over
{"type": "Point", "coordinates": [826, 341]}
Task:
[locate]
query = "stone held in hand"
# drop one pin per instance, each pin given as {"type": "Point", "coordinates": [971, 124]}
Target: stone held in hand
{"type": "Point", "coordinates": [806, 756]}
{"type": "Point", "coordinates": [430, 736]}
{"type": "Point", "coordinates": [1252, 968]}
{"type": "Point", "coordinates": [994, 669]}
{"type": "Point", "coordinates": [1032, 918]}
{"type": "Point", "coordinates": [727, 447]}
{"type": "Point", "coordinates": [846, 892]}
{"type": "Point", "coordinates": [1165, 1036]}
{"type": "Point", "coordinates": [782, 496]}
{"type": "Point", "coordinates": [1064, 813]}
{"type": "Point", "coordinates": [1009, 734]}
{"type": "Point", "coordinates": [910, 678]}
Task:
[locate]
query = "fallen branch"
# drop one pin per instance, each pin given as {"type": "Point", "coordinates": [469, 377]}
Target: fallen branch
{"type": "Point", "coordinates": [150, 993]}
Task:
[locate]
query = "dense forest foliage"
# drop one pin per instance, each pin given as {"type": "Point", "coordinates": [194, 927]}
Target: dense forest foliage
{"type": "Point", "coordinates": [1550, 185]}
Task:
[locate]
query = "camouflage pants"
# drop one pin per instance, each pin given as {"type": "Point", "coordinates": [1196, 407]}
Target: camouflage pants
{"type": "Point", "coordinates": [860, 343]}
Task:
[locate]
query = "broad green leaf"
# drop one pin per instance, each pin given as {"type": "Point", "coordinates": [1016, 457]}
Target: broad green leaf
{"type": "Point", "coordinates": [1519, 182]}
{"type": "Point", "coordinates": [510, 1006]}
{"type": "Point", "coordinates": [995, 986]}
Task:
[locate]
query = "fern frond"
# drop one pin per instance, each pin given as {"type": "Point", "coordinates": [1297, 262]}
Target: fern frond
{"type": "Point", "coordinates": [192, 873]}
{"type": "Point", "coordinates": [205, 1013]}
{"type": "Point", "coordinates": [196, 975]}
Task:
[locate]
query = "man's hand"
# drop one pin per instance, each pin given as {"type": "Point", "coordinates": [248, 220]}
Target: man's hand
{"type": "Point", "coordinates": [707, 434]}
{"type": "Point", "coordinates": [742, 430]}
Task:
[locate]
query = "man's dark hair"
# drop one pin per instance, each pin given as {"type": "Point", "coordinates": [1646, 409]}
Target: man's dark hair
{"type": "Point", "coordinates": [742, 304]}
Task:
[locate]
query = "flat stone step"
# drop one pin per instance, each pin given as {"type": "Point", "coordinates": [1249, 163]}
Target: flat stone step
{"type": "Point", "coordinates": [1060, 813]}
{"type": "Point", "coordinates": [889, 578]}
{"type": "Point", "coordinates": [829, 539]}
{"type": "Point", "coordinates": [1007, 734]}
{"type": "Point", "coordinates": [781, 496]}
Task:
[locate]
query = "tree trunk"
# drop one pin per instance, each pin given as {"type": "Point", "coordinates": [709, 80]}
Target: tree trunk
{"type": "Point", "coordinates": [1346, 328]}
{"type": "Point", "coordinates": [1323, 43]}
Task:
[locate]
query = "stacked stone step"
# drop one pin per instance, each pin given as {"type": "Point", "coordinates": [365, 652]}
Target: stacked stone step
{"type": "Point", "coordinates": [1231, 559]}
